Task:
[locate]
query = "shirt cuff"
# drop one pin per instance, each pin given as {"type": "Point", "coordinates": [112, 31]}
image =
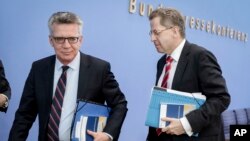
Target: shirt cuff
{"type": "Point", "coordinates": [111, 138]}
{"type": "Point", "coordinates": [186, 126]}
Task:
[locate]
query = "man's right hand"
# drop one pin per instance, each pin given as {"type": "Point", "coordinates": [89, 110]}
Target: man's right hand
{"type": "Point", "coordinates": [3, 100]}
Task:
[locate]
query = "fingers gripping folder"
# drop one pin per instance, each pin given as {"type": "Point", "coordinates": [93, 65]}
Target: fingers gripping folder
{"type": "Point", "coordinates": [88, 116]}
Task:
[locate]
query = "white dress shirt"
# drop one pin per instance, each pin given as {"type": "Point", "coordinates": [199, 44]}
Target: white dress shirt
{"type": "Point", "coordinates": [70, 95]}
{"type": "Point", "coordinates": [176, 56]}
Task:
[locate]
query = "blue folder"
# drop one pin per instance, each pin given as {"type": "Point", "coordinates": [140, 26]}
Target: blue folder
{"type": "Point", "coordinates": [88, 116]}
{"type": "Point", "coordinates": [173, 110]}
{"type": "Point", "coordinates": [162, 95]}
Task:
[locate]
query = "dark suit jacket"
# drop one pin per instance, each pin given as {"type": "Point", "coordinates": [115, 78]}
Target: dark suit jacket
{"type": "Point", "coordinates": [96, 83]}
{"type": "Point", "coordinates": [198, 71]}
{"type": "Point", "coordinates": [4, 85]}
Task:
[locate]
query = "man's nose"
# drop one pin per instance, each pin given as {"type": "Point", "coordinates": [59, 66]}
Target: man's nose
{"type": "Point", "coordinates": [66, 43]}
{"type": "Point", "coordinates": [152, 37]}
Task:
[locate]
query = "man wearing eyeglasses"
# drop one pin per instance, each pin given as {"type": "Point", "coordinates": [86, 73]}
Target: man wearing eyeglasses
{"type": "Point", "coordinates": [192, 69]}
{"type": "Point", "coordinates": [67, 76]}
{"type": "Point", "coordinates": [5, 91]}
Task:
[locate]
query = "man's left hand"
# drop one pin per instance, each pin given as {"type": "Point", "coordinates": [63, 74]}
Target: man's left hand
{"type": "Point", "coordinates": [174, 128]}
{"type": "Point", "coordinates": [99, 136]}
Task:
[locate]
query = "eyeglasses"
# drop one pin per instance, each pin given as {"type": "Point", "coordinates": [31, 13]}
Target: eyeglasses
{"type": "Point", "coordinates": [61, 40]}
{"type": "Point", "coordinates": [157, 33]}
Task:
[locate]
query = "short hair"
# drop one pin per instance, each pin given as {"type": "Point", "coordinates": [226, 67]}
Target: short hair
{"type": "Point", "coordinates": [65, 18]}
{"type": "Point", "coordinates": [170, 16]}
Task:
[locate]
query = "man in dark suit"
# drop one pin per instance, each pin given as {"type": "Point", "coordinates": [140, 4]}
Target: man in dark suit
{"type": "Point", "coordinates": [88, 78]}
{"type": "Point", "coordinates": [193, 69]}
{"type": "Point", "coordinates": [5, 91]}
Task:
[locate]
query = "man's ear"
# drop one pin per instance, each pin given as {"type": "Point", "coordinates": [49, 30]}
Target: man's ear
{"type": "Point", "coordinates": [81, 39]}
{"type": "Point", "coordinates": [51, 41]}
{"type": "Point", "coordinates": [176, 31]}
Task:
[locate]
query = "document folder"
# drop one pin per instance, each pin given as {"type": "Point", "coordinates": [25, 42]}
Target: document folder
{"type": "Point", "coordinates": [88, 116]}
{"type": "Point", "coordinates": [173, 110]}
{"type": "Point", "coordinates": [161, 95]}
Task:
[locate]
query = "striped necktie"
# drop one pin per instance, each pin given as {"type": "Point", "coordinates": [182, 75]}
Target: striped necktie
{"type": "Point", "coordinates": [56, 107]}
{"type": "Point", "coordinates": [164, 83]}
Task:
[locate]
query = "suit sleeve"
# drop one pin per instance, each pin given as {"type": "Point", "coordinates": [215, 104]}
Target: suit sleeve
{"type": "Point", "coordinates": [26, 112]}
{"type": "Point", "coordinates": [116, 100]}
{"type": "Point", "coordinates": [4, 85]}
{"type": "Point", "coordinates": [213, 86]}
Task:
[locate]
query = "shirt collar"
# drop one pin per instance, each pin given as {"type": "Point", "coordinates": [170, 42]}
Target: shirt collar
{"type": "Point", "coordinates": [74, 64]}
{"type": "Point", "coordinates": [177, 52]}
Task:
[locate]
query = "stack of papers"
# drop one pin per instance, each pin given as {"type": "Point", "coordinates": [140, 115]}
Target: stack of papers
{"type": "Point", "coordinates": [161, 96]}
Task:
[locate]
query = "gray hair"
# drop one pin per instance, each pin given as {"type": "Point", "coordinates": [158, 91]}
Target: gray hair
{"type": "Point", "coordinates": [170, 16]}
{"type": "Point", "coordinates": [65, 18]}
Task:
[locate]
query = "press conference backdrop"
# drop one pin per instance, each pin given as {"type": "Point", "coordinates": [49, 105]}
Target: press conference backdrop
{"type": "Point", "coordinates": [118, 32]}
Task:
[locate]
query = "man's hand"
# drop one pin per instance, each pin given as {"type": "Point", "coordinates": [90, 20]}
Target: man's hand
{"type": "Point", "coordinates": [2, 100]}
{"type": "Point", "coordinates": [99, 136]}
{"type": "Point", "coordinates": [174, 128]}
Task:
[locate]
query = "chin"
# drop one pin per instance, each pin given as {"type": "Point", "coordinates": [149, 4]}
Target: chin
{"type": "Point", "coordinates": [160, 51]}
{"type": "Point", "coordinates": [66, 60]}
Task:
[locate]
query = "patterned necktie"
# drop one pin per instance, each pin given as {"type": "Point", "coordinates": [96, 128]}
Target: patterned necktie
{"type": "Point", "coordinates": [56, 107]}
{"type": "Point", "coordinates": [164, 83]}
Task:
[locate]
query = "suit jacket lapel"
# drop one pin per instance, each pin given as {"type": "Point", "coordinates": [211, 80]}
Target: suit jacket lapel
{"type": "Point", "coordinates": [83, 76]}
{"type": "Point", "coordinates": [160, 66]}
{"type": "Point", "coordinates": [50, 76]}
{"type": "Point", "coordinates": [181, 66]}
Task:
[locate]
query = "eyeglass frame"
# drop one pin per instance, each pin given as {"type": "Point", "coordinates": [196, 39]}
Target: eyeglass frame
{"type": "Point", "coordinates": [56, 39]}
{"type": "Point", "coordinates": [157, 33]}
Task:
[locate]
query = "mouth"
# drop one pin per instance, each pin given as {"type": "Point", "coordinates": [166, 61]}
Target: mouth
{"type": "Point", "coordinates": [66, 53]}
{"type": "Point", "coordinates": [157, 45]}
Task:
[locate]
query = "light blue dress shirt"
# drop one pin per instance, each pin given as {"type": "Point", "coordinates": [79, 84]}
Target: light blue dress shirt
{"type": "Point", "coordinates": [70, 96]}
